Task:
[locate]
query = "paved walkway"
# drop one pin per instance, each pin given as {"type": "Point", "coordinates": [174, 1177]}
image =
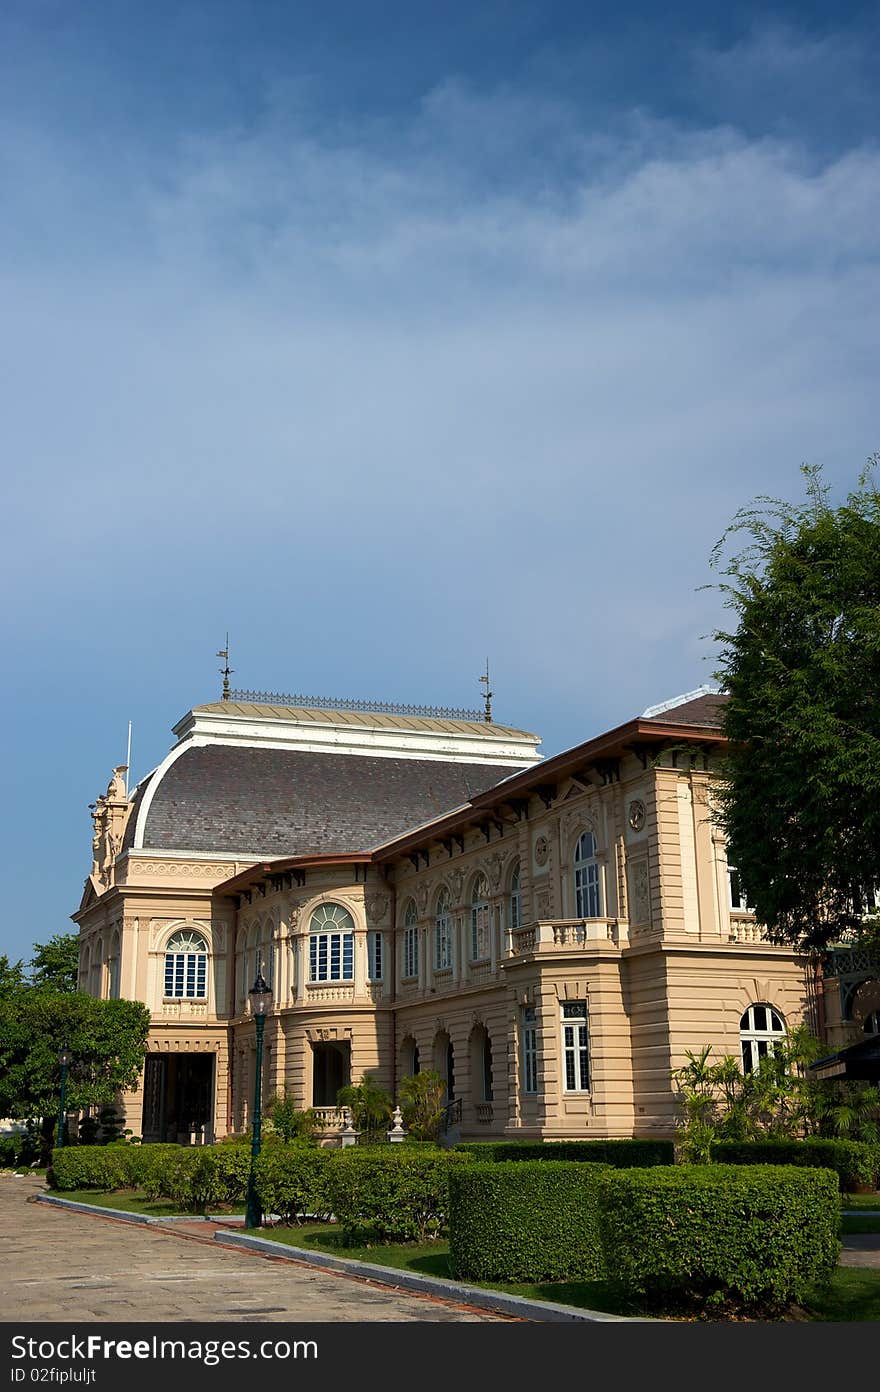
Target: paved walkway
{"type": "Point", "coordinates": [59, 1265]}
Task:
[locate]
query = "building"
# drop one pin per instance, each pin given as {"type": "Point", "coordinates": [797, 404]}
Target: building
{"type": "Point", "coordinates": [423, 890]}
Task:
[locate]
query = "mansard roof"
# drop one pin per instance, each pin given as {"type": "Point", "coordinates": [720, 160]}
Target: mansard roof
{"type": "Point", "coordinates": [236, 799]}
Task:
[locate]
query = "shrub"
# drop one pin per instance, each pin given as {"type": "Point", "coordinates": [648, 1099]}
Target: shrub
{"type": "Point", "coordinates": [533, 1220]}
{"type": "Point", "coordinates": [195, 1177]}
{"type": "Point", "coordinates": [703, 1235]}
{"type": "Point", "coordinates": [88, 1167]}
{"type": "Point", "coordinates": [393, 1193]}
{"type": "Point", "coordinates": [291, 1123]}
{"type": "Point", "coordinates": [421, 1103]}
{"type": "Point", "coordinates": [10, 1148]}
{"type": "Point", "coordinates": [291, 1181]}
{"type": "Point", "coordinates": [370, 1107]}
{"type": "Point", "coordinates": [621, 1154]}
{"type": "Point", "coordinates": [854, 1162]}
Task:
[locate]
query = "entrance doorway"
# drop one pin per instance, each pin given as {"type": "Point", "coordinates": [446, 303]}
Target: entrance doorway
{"type": "Point", "coordinates": [178, 1098]}
{"type": "Point", "coordinates": [331, 1070]}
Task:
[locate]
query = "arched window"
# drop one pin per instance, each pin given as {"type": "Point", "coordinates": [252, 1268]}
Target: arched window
{"type": "Point", "coordinates": [442, 933]}
{"type": "Point", "coordinates": [587, 886]}
{"type": "Point", "coordinates": [331, 944]}
{"type": "Point", "coordinates": [480, 920]}
{"type": "Point", "coordinates": [411, 940]}
{"type": "Point", "coordinates": [760, 1030]}
{"type": "Point", "coordinates": [186, 966]}
{"type": "Point", "coordinates": [514, 902]}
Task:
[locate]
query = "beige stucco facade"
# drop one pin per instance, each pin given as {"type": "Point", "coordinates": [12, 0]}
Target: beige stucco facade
{"type": "Point", "coordinates": [661, 964]}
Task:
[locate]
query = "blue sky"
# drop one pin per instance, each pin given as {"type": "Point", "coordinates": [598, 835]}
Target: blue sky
{"type": "Point", "coordinates": [389, 338]}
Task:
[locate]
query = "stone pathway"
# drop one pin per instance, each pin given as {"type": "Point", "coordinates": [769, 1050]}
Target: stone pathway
{"type": "Point", "coordinates": [62, 1265]}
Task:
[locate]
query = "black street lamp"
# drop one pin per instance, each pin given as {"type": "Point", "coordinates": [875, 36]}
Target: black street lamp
{"type": "Point", "coordinates": [64, 1057]}
{"type": "Point", "coordinates": [261, 998]}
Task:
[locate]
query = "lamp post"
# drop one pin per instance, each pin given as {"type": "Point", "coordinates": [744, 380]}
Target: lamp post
{"type": "Point", "coordinates": [61, 1128]}
{"type": "Point", "coordinates": [261, 998]}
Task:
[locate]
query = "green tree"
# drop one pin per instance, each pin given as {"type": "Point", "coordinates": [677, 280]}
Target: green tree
{"type": "Point", "coordinates": [799, 801]}
{"type": "Point", "coordinates": [55, 964]}
{"type": "Point", "coordinates": [106, 1038]}
{"type": "Point", "coordinates": [12, 977]}
{"type": "Point", "coordinates": [421, 1098]}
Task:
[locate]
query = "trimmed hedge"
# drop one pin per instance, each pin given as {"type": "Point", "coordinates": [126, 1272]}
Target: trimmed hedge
{"type": "Point", "coordinates": [854, 1162]}
{"type": "Point", "coordinates": [392, 1193]}
{"type": "Point", "coordinates": [623, 1154]}
{"type": "Point", "coordinates": [93, 1167]}
{"type": "Point", "coordinates": [291, 1181]}
{"type": "Point", "coordinates": [533, 1220]}
{"type": "Point", "coordinates": [710, 1234]}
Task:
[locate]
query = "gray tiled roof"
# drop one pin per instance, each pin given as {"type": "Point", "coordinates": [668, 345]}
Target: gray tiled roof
{"type": "Point", "coordinates": [706, 711]}
{"type": "Point", "coordinates": [283, 802]}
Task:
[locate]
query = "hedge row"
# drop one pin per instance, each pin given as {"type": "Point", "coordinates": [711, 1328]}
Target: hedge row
{"type": "Point", "coordinates": [695, 1235]}
{"type": "Point", "coordinates": [621, 1154]}
{"type": "Point", "coordinates": [379, 1194]}
{"type": "Point", "coordinates": [854, 1162]}
{"type": "Point", "coordinates": [526, 1221]}
{"type": "Point", "coordinates": [707, 1234]}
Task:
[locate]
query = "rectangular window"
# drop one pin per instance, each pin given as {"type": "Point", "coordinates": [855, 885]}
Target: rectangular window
{"type": "Point", "coordinates": [374, 956]}
{"type": "Point", "coordinates": [331, 957]}
{"type": "Point", "coordinates": [186, 975]}
{"type": "Point", "coordinates": [410, 952]}
{"type": "Point", "coordinates": [443, 944]}
{"type": "Point", "coordinates": [587, 896]}
{"type": "Point", "coordinates": [479, 932]}
{"type": "Point", "coordinates": [529, 1050]}
{"type": "Point", "coordinates": [575, 1050]}
{"type": "Point", "coordinates": [737, 893]}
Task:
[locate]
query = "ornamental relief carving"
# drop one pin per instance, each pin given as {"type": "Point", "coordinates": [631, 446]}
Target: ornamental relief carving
{"type": "Point", "coordinates": [194, 870]}
{"type": "Point", "coordinates": [577, 820]}
{"type": "Point", "coordinates": [639, 897]}
{"type": "Point", "coordinates": [544, 903]}
{"type": "Point", "coordinates": [494, 870]}
{"type": "Point", "coordinates": [377, 907]}
{"type": "Point", "coordinates": [424, 894]}
{"type": "Point", "coordinates": [456, 881]}
{"type": "Point", "coordinates": [542, 851]}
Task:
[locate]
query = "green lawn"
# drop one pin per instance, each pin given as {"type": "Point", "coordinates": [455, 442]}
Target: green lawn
{"type": "Point", "coordinates": [133, 1201]}
{"type": "Point", "coordinates": [868, 1201]}
{"type": "Point", "coordinates": [853, 1294]}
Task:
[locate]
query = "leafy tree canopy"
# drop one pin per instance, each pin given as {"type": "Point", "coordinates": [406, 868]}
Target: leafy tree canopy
{"type": "Point", "coordinates": [800, 800]}
{"type": "Point", "coordinates": [106, 1039]}
{"type": "Point", "coordinates": [55, 964]}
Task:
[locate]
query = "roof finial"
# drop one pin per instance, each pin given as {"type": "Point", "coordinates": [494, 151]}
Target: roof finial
{"type": "Point", "coordinates": [488, 697]}
{"type": "Point", "coordinates": [226, 671]}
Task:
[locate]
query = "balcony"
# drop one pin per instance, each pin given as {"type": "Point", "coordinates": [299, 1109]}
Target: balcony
{"type": "Point", "coordinates": [564, 934]}
{"type": "Point", "coordinates": [317, 992]}
{"type": "Point", "coordinates": [744, 929]}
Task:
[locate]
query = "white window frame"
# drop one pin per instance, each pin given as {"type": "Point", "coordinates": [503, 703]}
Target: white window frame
{"type": "Point", "coordinates": [331, 944]}
{"type": "Point", "coordinates": [410, 965]}
{"type": "Point", "coordinates": [375, 955]}
{"type": "Point", "coordinates": [575, 1047]}
{"type": "Point", "coordinates": [442, 933]}
{"type": "Point", "coordinates": [758, 1042]}
{"type": "Point", "coordinates": [186, 966]}
{"type": "Point", "coordinates": [736, 897]}
{"type": "Point", "coordinates": [587, 878]}
{"type": "Point", "coordinates": [514, 901]}
{"type": "Point", "coordinates": [529, 1032]}
{"type": "Point", "coordinates": [481, 927]}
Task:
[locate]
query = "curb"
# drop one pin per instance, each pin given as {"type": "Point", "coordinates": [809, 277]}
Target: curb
{"type": "Point", "coordinates": [495, 1301]}
{"type": "Point", "coordinates": [150, 1218]}
{"type": "Point", "coordinates": [75, 1207]}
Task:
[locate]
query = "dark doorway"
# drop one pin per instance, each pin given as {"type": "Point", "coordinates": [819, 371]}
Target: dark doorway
{"type": "Point", "coordinates": [331, 1070]}
{"type": "Point", "coordinates": [178, 1098]}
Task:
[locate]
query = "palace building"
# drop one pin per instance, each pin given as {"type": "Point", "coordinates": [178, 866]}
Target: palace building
{"type": "Point", "coordinates": [422, 890]}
